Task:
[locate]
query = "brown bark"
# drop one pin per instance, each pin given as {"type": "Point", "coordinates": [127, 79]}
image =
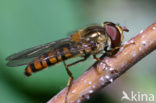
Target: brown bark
{"type": "Point", "coordinates": [105, 72]}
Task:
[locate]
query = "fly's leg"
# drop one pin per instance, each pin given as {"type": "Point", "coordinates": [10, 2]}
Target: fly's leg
{"type": "Point", "coordinates": [99, 60]}
{"type": "Point", "coordinates": [127, 44]}
{"type": "Point", "coordinates": [112, 52]}
{"type": "Point", "coordinates": [106, 65]}
{"type": "Point", "coordinates": [70, 74]}
{"type": "Point", "coordinates": [69, 81]}
{"type": "Point", "coordinates": [116, 49]}
{"type": "Point", "coordinates": [81, 60]}
{"type": "Point", "coordinates": [96, 58]}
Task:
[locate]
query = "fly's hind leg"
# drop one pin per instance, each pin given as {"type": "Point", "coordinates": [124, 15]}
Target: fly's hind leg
{"type": "Point", "coordinates": [68, 71]}
{"type": "Point", "coordinates": [81, 60]}
{"type": "Point", "coordinates": [70, 74]}
{"type": "Point", "coordinates": [69, 81]}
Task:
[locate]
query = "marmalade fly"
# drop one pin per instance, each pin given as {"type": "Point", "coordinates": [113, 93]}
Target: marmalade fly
{"type": "Point", "coordinates": [88, 41]}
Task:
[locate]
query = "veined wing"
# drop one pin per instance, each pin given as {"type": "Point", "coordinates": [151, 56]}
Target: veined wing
{"type": "Point", "coordinates": [28, 55]}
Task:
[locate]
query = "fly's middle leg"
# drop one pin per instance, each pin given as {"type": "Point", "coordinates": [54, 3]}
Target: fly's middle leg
{"type": "Point", "coordinates": [100, 60]}
{"type": "Point", "coordinates": [96, 58]}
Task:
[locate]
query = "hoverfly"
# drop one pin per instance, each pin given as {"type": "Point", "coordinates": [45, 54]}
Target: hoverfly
{"type": "Point", "coordinates": [88, 41]}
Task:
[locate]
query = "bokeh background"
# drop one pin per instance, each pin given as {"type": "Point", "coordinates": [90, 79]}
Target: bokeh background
{"type": "Point", "coordinates": [28, 23]}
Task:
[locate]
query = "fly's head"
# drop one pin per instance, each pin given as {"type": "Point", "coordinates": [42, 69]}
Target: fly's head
{"type": "Point", "coordinates": [115, 32]}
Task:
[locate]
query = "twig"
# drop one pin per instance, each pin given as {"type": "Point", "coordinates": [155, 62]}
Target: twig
{"type": "Point", "coordinates": [104, 72]}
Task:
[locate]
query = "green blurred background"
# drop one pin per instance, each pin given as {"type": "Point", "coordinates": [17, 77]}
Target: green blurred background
{"type": "Point", "coordinates": [28, 23]}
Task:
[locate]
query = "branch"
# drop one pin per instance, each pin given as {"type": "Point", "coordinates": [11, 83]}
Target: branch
{"type": "Point", "coordinates": [105, 72]}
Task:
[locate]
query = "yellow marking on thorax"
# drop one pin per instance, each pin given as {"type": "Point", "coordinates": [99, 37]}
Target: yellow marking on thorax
{"type": "Point", "coordinates": [76, 37]}
{"type": "Point", "coordinates": [87, 50]}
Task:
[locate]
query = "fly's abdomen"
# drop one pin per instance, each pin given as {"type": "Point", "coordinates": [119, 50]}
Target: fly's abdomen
{"type": "Point", "coordinates": [52, 58]}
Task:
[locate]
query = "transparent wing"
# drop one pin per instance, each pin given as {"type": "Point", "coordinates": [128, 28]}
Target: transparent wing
{"type": "Point", "coordinates": [28, 55]}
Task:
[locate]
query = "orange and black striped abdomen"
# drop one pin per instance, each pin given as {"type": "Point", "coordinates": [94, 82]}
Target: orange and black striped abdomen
{"type": "Point", "coordinates": [53, 57]}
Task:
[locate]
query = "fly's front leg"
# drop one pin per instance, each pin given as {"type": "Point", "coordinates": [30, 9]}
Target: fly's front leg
{"type": "Point", "coordinates": [113, 51]}
{"type": "Point", "coordinates": [129, 43]}
{"type": "Point", "coordinates": [116, 49]}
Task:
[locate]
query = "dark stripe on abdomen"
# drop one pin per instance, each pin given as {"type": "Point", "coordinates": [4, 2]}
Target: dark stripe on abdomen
{"type": "Point", "coordinates": [65, 52]}
{"type": "Point", "coordinates": [62, 54]}
{"type": "Point", "coordinates": [55, 56]}
{"type": "Point", "coordinates": [48, 62]}
{"type": "Point", "coordinates": [32, 67]}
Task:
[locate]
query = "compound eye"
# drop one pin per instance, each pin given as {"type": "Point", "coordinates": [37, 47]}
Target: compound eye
{"type": "Point", "coordinates": [113, 33]}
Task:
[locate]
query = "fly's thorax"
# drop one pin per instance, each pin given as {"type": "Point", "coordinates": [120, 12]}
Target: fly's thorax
{"type": "Point", "coordinates": [95, 37]}
{"type": "Point", "coordinates": [97, 41]}
{"type": "Point", "coordinates": [101, 41]}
